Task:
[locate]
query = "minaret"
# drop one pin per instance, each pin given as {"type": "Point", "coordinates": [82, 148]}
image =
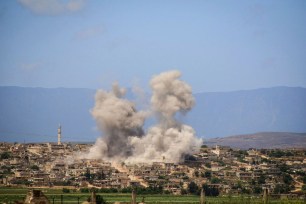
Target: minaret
{"type": "Point", "coordinates": [59, 131]}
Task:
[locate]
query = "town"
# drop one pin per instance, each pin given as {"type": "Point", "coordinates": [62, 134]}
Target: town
{"type": "Point", "coordinates": [219, 170]}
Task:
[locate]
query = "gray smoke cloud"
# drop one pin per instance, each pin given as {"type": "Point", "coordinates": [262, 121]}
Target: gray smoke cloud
{"type": "Point", "coordinates": [170, 96]}
{"type": "Point", "coordinates": [118, 119]}
{"type": "Point", "coordinates": [124, 138]}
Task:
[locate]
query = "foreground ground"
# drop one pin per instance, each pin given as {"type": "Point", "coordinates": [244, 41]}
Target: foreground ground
{"type": "Point", "coordinates": [9, 195]}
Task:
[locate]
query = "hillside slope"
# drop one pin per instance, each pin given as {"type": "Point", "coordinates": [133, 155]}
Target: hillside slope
{"type": "Point", "coordinates": [265, 140]}
{"type": "Point", "coordinates": [279, 109]}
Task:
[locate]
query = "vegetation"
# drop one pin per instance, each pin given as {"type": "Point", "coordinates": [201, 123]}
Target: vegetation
{"type": "Point", "coordinates": [11, 194]}
{"type": "Point", "coordinates": [279, 153]}
{"type": "Point", "coordinates": [215, 180]}
{"type": "Point", "coordinates": [207, 174]}
{"type": "Point", "coordinates": [208, 165]}
{"type": "Point", "coordinates": [35, 167]}
{"type": "Point", "coordinates": [262, 179]}
{"type": "Point", "coordinates": [193, 188]}
{"type": "Point", "coordinates": [5, 155]}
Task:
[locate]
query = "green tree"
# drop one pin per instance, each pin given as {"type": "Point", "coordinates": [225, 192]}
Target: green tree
{"type": "Point", "coordinates": [207, 174]}
{"type": "Point", "coordinates": [193, 188]}
{"type": "Point", "coordinates": [281, 189]}
{"type": "Point", "coordinates": [283, 168]}
{"type": "Point", "coordinates": [208, 165]}
{"type": "Point", "coordinates": [183, 191]}
{"type": "Point", "coordinates": [262, 179]}
{"type": "Point", "coordinates": [5, 155]}
{"type": "Point", "coordinates": [287, 179]}
{"type": "Point", "coordinates": [66, 190]}
{"type": "Point", "coordinates": [84, 190]}
{"type": "Point", "coordinates": [215, 180]}
{"type": "Point", "coordinates": [35, 167]}
{"type": "Point", "coordinates": [87, 174]}
{"type": "Point", "coordinates": [257, 190]}
{"type": "Point", "coordinates": [210, 191]}
{"type": "Point", "coordinates": [289, 154]}
{"type": "Point", "coordinates": [245, 191]}
{"type": "Point", "coordinates": [304, 179]}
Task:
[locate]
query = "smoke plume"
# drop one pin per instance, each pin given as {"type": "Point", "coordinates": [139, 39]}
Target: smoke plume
{"type": "Point", "coordinates": [123, 136]}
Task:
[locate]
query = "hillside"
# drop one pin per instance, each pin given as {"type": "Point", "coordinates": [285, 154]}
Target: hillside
{"type": "Point", "coordinates": [33, 114]}
{"type": "Point", "coordinates": [278, 109]}
{"type": "Point", "coordinates": [265, 140]}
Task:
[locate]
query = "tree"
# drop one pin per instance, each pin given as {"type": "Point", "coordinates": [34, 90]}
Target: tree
{"type": "Point", "coordinates": [208, 165]}
{"type": "Point", "coordinates": [304, 179]}
{"type": "Point", "coordinates": [210, 191]}
{"type": "Point", "coordinates": [262, 179]}
{"type": "Point", "coordinates": [183, 191]}
{"type": "Point", "coordinates": [253, 182]}
{"type": "Point", "coordinates": [207, 174]}
{"type": "Point", "coordinates": [35, 167]}
{"type": "Point", "coordinates": [283, 168]}
{"type": "Point", "coordinates": [84, 190]}
{"type": "Point", "coordinates": [245, 191]}
{"type": "Point", "coordinates": [287, 179]}
{"type": "Point", "coordinates": [281, 189]}
{"type": "Point", "coordinates": [66, 190]}
{"type": "Point", "coordinates": [257, 190]}
{"type": "Point", "coordinates": [193, 188]}
{"type": "Point", "coordinates": [87, 174]}
{"type": "Point", "coordinates": [215, 180]}
{"type": "Point", "coordinates": [5, 155]}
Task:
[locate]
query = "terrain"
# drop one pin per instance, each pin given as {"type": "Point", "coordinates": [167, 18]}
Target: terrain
{"type": "Point", "coordinates": [263, 140]}
{"type": "Point", "coordinates": [54, 196]}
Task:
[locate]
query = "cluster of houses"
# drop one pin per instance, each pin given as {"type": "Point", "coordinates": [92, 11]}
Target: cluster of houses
{"type": "Point", "coordinates": [228, 170]}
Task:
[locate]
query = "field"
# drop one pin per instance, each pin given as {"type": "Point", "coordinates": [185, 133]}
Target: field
{"type": "Point", "coordinates": [9, 195]}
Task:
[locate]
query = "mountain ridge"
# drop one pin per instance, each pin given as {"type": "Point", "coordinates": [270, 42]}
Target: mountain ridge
{"type": "Point", "coordinates": [38, 111]}
{"type": "Point", "coordinates": [262, 140]}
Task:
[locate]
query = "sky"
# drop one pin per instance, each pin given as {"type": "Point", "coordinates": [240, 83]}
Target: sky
{"type": "Point", "coordinates": [217, 45]}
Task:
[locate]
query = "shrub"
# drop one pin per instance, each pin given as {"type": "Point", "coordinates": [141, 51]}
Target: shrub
{"type": "Point", "coordinates": [66, 190]}
{"type": "Point", "coordinates": [84, 190]}
{"type": "Point", "coordinates": [5, 155]}
{"type": "Point", "coordinates": [193, 188]}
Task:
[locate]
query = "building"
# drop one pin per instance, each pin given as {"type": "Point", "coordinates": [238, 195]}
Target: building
{"type": "Point", "coordinates": [59, 135]}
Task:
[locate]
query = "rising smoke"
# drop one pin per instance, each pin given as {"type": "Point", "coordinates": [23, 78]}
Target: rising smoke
{"type": "Point", "coordinates": [122, 126]}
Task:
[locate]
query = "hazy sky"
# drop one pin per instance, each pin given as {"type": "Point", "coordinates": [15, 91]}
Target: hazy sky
{"type": "Point", "coordinates": [217, 45]}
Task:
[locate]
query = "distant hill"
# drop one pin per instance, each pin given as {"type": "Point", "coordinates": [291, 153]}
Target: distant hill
{"type": "Point", "coordinates": [33, 114]}
{"type": "Point", "coordinates": [278, 109]}
{"type": "Point", "coordinates": [265, 140]}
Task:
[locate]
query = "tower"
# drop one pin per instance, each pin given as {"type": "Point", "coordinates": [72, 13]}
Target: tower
{"type": "Point", "coordinates": [59, 132]}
